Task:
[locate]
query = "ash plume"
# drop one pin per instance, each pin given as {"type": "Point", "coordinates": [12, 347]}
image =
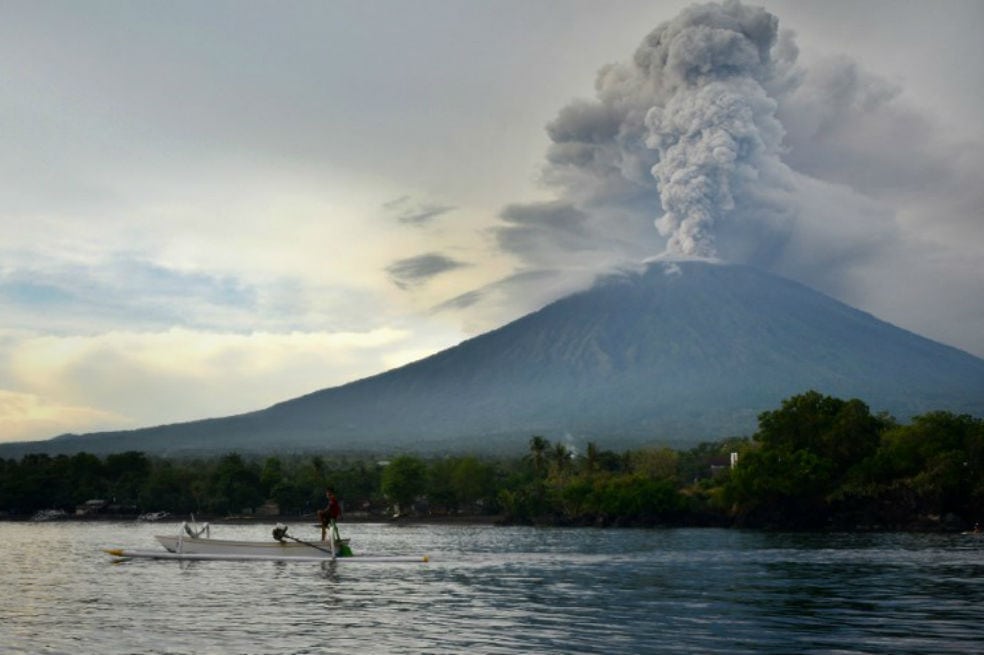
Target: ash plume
{"type": "Point", "coordinates": [717, 122]}
{"type": "Point", "coordinates": [739, 149]}
{"type": "Point", "coordinates": [688, 134]}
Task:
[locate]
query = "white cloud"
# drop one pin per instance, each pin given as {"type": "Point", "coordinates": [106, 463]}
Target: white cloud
{"type": "Point", "coordinates": [25, 417]}
{"type": "Point", "coordinates": [121, 380]}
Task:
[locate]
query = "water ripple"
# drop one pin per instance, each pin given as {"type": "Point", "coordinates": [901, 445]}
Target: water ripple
{"type": "Point", "coordinates": [498, 590]}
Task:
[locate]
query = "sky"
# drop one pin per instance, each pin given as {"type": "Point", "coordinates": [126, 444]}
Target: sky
{"type": "Point", "coordinates": [208, 208]}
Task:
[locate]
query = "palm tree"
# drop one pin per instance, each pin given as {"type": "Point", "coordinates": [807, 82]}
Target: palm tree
{"type": "Point", "coordinates": [538, 446]}
{"type": "Point", "coordinates": [591, 458]}
{"type": "Point", "coordinates": [561, 456]}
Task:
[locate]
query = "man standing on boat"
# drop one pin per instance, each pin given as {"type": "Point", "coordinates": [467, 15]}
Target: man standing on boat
{"type": "Point", "coordinates": [331, 513]}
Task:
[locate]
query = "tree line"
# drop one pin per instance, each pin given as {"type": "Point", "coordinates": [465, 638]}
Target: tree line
{"type": "Point", "coordinates": [815, 462]}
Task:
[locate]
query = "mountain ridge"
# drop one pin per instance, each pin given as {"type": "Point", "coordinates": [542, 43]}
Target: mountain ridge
{"type": "Point", "coordinates": [678, 353]}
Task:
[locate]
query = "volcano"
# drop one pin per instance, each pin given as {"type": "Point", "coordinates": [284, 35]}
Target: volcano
{"type": "Point", "coordinates": [678, 353]}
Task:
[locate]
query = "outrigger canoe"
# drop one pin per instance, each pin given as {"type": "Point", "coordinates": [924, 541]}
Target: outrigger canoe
{"type": "Point", "coordinates": [122, 554]}
{"type": "Point", "coordinates": [190, 545]}
{"type": "Point", "coordinates": [205, 546]}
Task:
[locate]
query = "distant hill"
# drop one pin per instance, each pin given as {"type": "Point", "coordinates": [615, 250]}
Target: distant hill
{"type": "Point", "coordinates": [682, 352]}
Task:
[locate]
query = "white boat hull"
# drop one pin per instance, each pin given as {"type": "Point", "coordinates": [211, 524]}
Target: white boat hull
{"type": "Point", "coordinates": [123, 554]}
{"type": "Point", "coordinates": [268, 549]}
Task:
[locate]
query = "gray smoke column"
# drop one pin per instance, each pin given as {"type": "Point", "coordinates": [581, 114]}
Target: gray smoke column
{"type": "Point", "coordinates": [714, 124]}
{"type": "Point", "coordinates": [715, 130]}
{"type": "Point", "coordinates": [686, 133]}
{"type": "Point", "coordinates": [815, 169]}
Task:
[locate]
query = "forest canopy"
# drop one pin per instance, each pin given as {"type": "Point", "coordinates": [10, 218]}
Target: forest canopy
{"type": "Point", "coordinates": [815, 462]}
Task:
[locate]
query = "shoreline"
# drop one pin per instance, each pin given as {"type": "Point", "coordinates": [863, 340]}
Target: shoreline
{"type": "Point", "coordinates": [485, 520]}
{"type": "Point", "coordinates": [271, 519]}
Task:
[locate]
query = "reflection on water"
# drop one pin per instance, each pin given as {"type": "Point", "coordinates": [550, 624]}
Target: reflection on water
{"type": "Point", "coordinates": [498, 590]}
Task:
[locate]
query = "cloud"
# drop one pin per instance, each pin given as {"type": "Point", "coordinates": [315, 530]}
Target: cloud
{"type": "Point", "coordinates": [512, 285]}
{"type": "Point", "coordinates": [560, 235]}
{"type": "Point", "coordinates": [849, 127]}
{"type": "Point", "coordinates": [251, 216]}
{"type": "Point", "coordinates": [118, 380]}
{"type": "Point", "coordinates": [528, 290]}
{"type": "Point", "coordinates": [685, 134]}
{"type": "Point", "coordinates": [119, 290]}
{"type": "Point", "coordinates": [463, 301]}
{"type": "Point", "coordinates": [414, 271]}
{"type": "Point", "coordinates": [718, 131]}
{"type": "Point", "coordinates": [533, 228]}
{"type": "Point", "coordinates": [409, 212]}
{"type": "Point", "coordinates": [26, 416]}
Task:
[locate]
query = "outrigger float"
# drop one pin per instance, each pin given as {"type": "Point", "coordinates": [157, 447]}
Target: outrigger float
{"type": "Point", "coordinates": [195, 544]}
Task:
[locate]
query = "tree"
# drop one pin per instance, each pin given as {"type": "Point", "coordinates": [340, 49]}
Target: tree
{"type": "Point", "coordinates": [404, 479]}
{"type": "Point", "coordinates": [940, 456]}
{"type": "Point", "coordinates": [36, 485]}
{"type": "Point", "coordinates": [561, 456]}
{"type": "Point", "coordinates": [127, 472]}
{"type": "Point", "coordinates": [591, 458]}
{"type": "Point", "coordinates": [357, 483]}
{"type": "Point", "coordinates": [318, 464]}
{"type": "Point", "coordinates": [804, 451]}
{"type": "Point", "coordinates": [656, 463]}
{"type": "Point", "coordinates": [271, 475]}
{"type": "Point", "coordinates": [538, 447]}
{"type": "Point", "coordinates": [472, 481]}
{"type": "Point", "coordinates": [440, 489]}
{"type": "Point", "coordinates": [639, 498]}
{"type": "Point", "coordinates": [234, 486]}
{"type": "Point", "coordinates": [842, 431]}
{"type": "Point", "coordinates": [169, 488]}
{"type": "Point", "coordinates": [290, 498]}
{"type": "Point", "coordinates": [86, 476]}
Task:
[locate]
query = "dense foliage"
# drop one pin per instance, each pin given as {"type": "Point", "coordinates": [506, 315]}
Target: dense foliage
{"type": "Point", "coordinates": [816, 462]}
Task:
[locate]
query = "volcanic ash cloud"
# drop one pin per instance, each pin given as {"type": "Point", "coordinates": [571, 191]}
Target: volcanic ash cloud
{"type": "Point", "coordinates": [684, 133]}
{"type": "Point", "coordinates": [716, 124]}
{"type": "Point", "coordinates": [714, 131]}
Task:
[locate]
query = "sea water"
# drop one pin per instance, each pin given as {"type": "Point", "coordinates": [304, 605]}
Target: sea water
{"type": "Point", "coordinates": [489, 589]}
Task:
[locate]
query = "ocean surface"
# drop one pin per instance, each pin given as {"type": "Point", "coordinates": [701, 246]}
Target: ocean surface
{"type": "Point", "coordinates": [497, 590]}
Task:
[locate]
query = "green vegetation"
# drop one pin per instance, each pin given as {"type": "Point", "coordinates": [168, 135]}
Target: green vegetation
{"type": "Point", "coordinates": [816, 462]}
